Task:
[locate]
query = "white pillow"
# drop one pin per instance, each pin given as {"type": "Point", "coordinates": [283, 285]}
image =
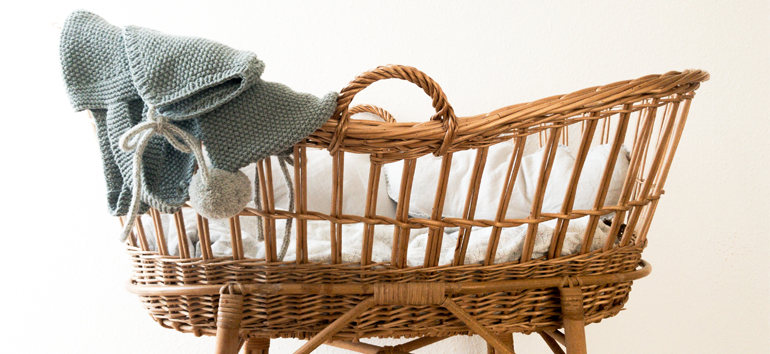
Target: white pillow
{"type": "Point", "coordinates": [526, 183]}
{"type": "Point", "coordinates": [491, 186]}
{"type": "Point", "coordinates": [591, 176]}
{"type": "Point", "coordinates": [319, 180]}
{"type": "Point", "coordinates": [493, 179]}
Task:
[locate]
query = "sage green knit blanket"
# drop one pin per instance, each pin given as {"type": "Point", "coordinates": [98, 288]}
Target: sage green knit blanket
{"type": "Point", "coordinates": [205, 88]}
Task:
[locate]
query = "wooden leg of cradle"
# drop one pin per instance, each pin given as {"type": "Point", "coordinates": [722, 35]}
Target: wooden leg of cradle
{"type": "Point", "coordinates": [229, 323]}
{"type": "Point", "coordinates": [551, 342]}
{"type": "Point", "coordinates": [477, 327]}
{"type": "Point", "coordinates": [418, 343]}
{"type": "Point", "coordinates": [405, 348]}
{"type": "Point", "coordinates": [505, 338]}
{"type": "Point", "coordinates": [335, 326]}
{"type": "Point", "coordinates": [574, 324]}
{"type": "Point", "coordinates": [358, 347]}
{"type": "Point", "coordinates": [257, 346]}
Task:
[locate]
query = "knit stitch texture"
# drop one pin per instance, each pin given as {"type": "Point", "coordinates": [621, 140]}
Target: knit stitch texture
{"type": "Point", "coordinates": [206, 88]}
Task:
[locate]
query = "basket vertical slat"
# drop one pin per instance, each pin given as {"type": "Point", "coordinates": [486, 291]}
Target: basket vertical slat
{"type": "Point", "coordinates": [270, 203]}
{"type": "Point", "coordinates": [401, 234]}
{"type": "Point", "coordinates": [647, 121]}
{"type": "Point", "coordinates": [160, 239]}
{"type": "Point", "coordinates": [181, 234]}
{"type": "Point", "coordinates": [628, 193]}
{"type": "Point", "coordinates": [132, 241]}
{"type": "Point", "coordinates": [638, 127]}
{"type": "Point", "coordinates": [370, 211]}
{"type": "Point", "coordinates": [669, 113]}
{"type": "Point", "coordinates": [604, 183]}
{"type": "Point", "coordinates": [469, 210]}
{"type": "Point", "coordinates": [435, 235]}
{"type": "Point", "coordinates": [605, 138]}
{"type": "Point", "coordinates": [139, 227]}
{"type": "Point", "coordinates": [204, 237]}
{"type": "Point", "coordinates": [650, 131]}
{"type": "Point", "coordinates": [505, 196]}
{"type": "Point", "coordinates": [338, 173]}
{"type": "Point", "coordinates": [300, 186]}
{"type": "Point", "coordinates": [662, 163]}
{"type": "Point", "coordinates": [266, 189]}
{"type": "Point", "coordinates": [235, 237]}
{"type": "Point", "coordinates": [588, 129]}
{"type": "Point", "coordinates": [650, 177]}
{"type": "Point", "coordinates": [666, 167]}
{"type": "Point", "coordinates": [565, 136]}
{"type": "Point", "coordinates": [630, 182]}
{"type": "Point", "coordinates": [542, 183]}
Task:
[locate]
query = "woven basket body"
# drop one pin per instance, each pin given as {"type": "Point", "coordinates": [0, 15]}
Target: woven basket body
{"type": "Point", "coordinates": [300, 299]}
{"type": "Point", "coordinates": [302, 316]}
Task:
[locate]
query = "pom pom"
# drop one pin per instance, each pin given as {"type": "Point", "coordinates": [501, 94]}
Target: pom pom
{"type": "Point", "coordinates": [225, 195]}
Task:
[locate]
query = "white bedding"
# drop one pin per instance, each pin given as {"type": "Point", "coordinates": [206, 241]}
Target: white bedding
{"type": "Point", "coordinates": [356, 180]}
{"type": "Point", "coordinates": [319, 244]}
{"type": "Point", "coordinates": [495, 174]}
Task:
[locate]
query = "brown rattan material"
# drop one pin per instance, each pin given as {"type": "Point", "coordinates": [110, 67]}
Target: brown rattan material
{"type": "Point", "coordinates": [338, 303]}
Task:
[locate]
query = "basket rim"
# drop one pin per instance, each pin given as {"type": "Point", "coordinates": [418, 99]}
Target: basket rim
{"type": "Point", "coordinates": [515, 120]}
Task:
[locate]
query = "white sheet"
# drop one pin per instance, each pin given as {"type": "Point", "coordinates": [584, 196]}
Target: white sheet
{"type": "Point", "coordinates": [319, 245]}
{"type": "Point", "coordinates": [495, 174]}
{"type": "Point", "coordinates": [356, 172]}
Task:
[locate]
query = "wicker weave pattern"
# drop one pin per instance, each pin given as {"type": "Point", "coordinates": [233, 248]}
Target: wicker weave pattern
{"type": "Point", "coordinates": [295, 315]}
{"type": "Point", "coordinates": [647, 114]}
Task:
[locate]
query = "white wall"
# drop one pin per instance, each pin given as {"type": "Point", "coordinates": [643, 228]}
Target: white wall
{"type": "Point", "coordinates": [64, 270]}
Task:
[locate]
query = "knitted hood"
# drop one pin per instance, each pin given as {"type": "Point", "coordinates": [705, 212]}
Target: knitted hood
{"type": "Point", "coordinates": [202, 87]}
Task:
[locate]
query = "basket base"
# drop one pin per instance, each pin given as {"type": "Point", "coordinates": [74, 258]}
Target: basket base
{"type": "Point", "coordinates": [554, 339]}
{"type": "Point", "coordinates": [344, 303]}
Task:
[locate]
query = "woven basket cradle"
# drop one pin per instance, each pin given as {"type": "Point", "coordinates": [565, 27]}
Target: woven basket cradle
{"type": "Point", "coordinates": [246, 302]}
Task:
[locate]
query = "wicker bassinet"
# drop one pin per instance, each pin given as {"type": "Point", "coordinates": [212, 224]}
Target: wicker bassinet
{"type": "Point", "coordinates": [246, 302]}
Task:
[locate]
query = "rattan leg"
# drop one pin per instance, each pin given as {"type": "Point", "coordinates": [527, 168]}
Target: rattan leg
{"type": "Point", "coordinates": [557, 336]}
{"type": "Point", "coordinates": [405, 348]}
{"type": "Point", "coordinates": [358, 347]}
{"type": "Point", "coordinates": [474, 325]}
{"type": "Point", "coordinates": [418, 343]}
{"type": "Point", "coordinates": [574, 324]}
{"type": "Point", "coordinates": [335, 326]}
{"type": "Point", "coordinates": [508, 340]}
{"type": "Point", "coordinates": [228, 323]}
{"type": "Point", "coordinates": [505, 338]}
{"type": "Point", "coordinates": [551, 342]}
{"type": "Point", "coordinates": [257, 346]}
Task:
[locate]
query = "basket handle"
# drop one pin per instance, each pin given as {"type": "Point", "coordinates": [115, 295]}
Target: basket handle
{"type": "Point", "coordinates": [368, 108]}
{"type": "Point", "coordinates": [444, 111]}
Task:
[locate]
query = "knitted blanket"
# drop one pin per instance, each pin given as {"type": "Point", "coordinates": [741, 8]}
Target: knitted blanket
{"type": "Point", "coordinates": [204, 88]}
